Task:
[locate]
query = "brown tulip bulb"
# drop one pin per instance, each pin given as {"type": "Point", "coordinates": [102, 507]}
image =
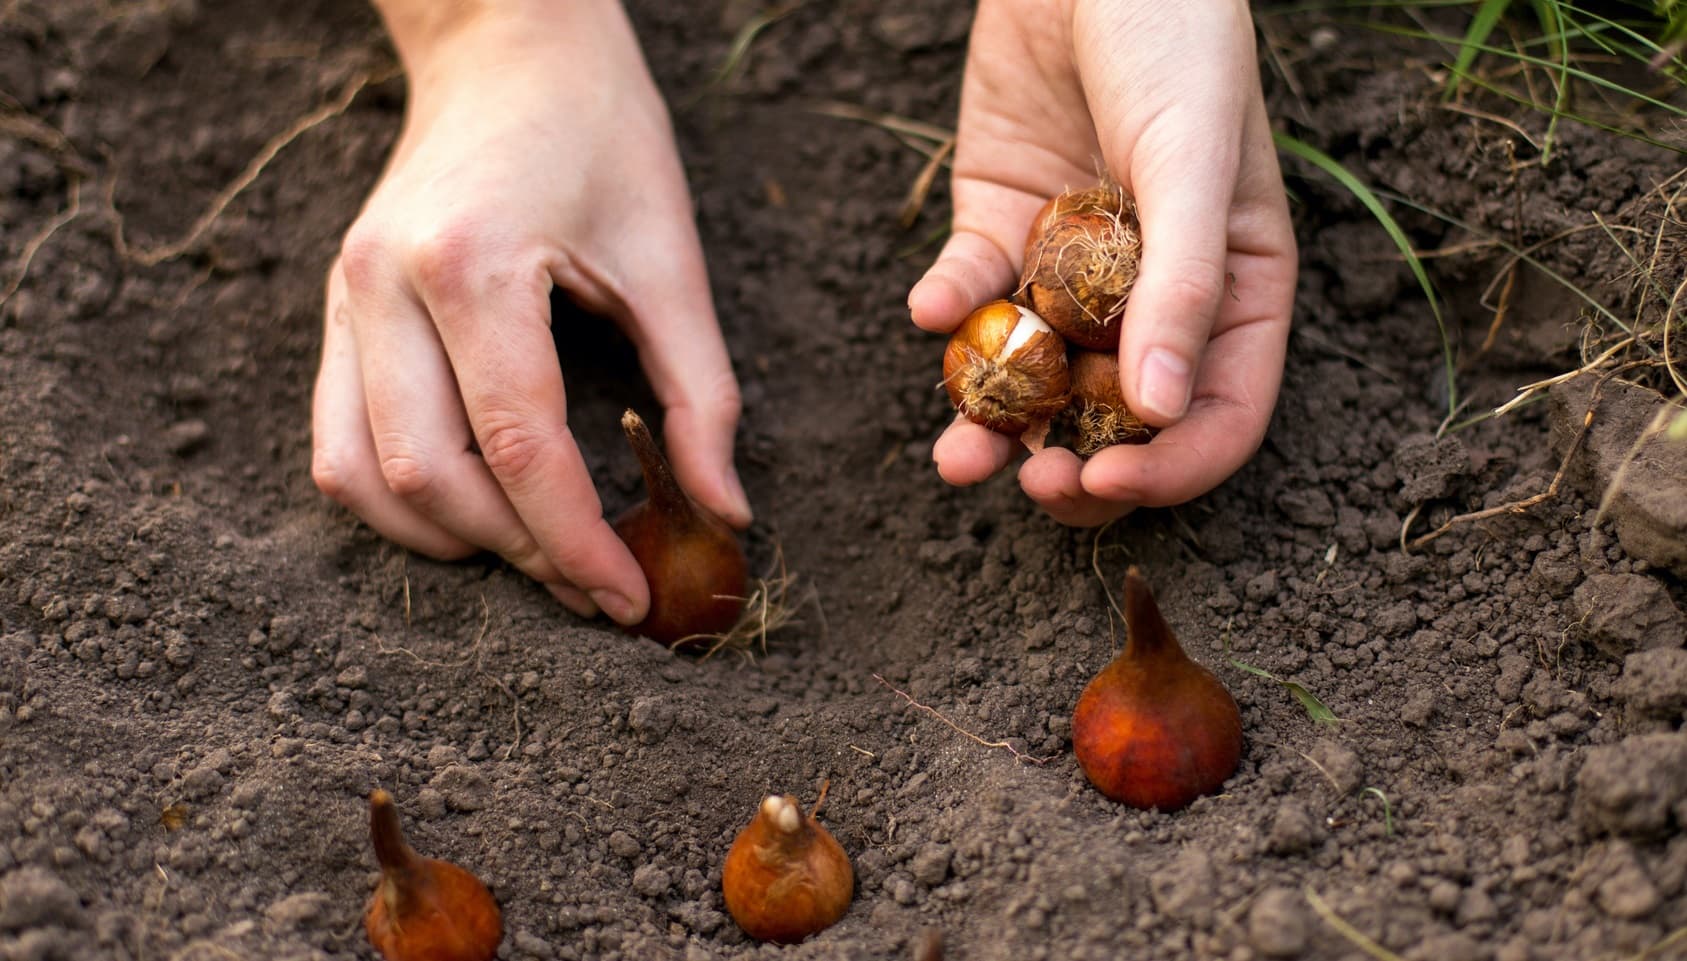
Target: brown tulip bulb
{"type": "Point", "coordinates": [697, 573]}
{"type": "Point", "coordinates": [1081, 261]}
{"type": "Point", "coordinates": [1098, 406]}
{"type": "Point", "coordinates": [422, 909]}
{"type": "Point", "coordinates": [1155, 729]}
{"type": "Point", "coordinates": [786, 877]}
{"type": "Point", "coordinates": [1004, 368]}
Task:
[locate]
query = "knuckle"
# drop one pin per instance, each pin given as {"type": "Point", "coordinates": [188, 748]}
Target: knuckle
{"type": "Point", "coordinates": [510, 446]}
{"type": "Point", "coordinates": [409, 474]}
{"type": "Point", "coordinates": [1194, 290]}
{"type": "Point", "coordinates": [362, 252]}
{"type": "Point", "coordinates": [332, 472]}
{"type": "Point", "coordinates": [444, 260]}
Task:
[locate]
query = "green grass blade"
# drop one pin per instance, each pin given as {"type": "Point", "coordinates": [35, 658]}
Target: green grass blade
{"type": "Point", "coordinates": [1585, 121]}
{"type": "Point", "coordinates": [1481, 27]}
{"type": "Point", "coordinates": [1366, 196]}
{"type": "Point", "coordinates": [1552, 23]}
{"type": "Point", "coordinates": [1572, 70]}
{"type": "Point", "coordinates": [1387, 811]}
{"type": "Point", "coordinates": [1317, 710]}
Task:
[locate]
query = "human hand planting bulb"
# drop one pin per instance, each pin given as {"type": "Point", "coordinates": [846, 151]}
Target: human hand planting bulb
{"type": "Point", "coordinates": [1167, 97]}
{"type": "Point", "coordinates": [536, 153]}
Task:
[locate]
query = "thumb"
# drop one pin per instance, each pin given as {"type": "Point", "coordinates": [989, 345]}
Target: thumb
{"type": "Point", "coordinates": [971, 270]}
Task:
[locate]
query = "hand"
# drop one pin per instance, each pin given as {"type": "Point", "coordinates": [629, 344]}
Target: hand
{"type": "Point", "coordinates": [534, 152]}
{"type": "Point", "coordinates": [1168, 96]}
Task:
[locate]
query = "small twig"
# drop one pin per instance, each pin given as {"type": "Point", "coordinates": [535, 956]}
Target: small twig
{"type": "Point", "coordinates": [40, 238]}
{"type": "Point", "coordinates": [1018, 755]}
{"type": "Point", "coordinates": [1348, 931]}
{"type": "Point", "coordinates": [151, 256]}
{"type": "Point", "coordinates": [922, 184]}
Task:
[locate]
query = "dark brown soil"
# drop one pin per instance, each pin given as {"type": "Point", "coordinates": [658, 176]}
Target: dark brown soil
{"type": "Point", "coordinates": [205, 667]}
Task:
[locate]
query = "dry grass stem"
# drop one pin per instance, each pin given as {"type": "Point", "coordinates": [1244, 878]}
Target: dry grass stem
{"type": "Point", "coordinates": [40, 237]}
{"type": "Point", "coordinates": [1512, 125]}
{"type": "Point", "coordinates": [19, 123]}
{"type": "Point", "coordinates": [921, 187]}
{"type": "Point", "coordinates": [1519, 506]}
{"type": "Point", "coordinates": [152, 256]}
{"type": "Point", "coordinates": [1018, 755]}
{"type": "Point", "coordinates": [1095, 565]}
{"type": "Point", "coordinates": [773, 605]}
{"type": "Point", "coordinates": [1359, 939]}
{"type": "Point", "coordinates": [883, 120]}
{"type": "Point", "coordinates": [476, 652]}
{"type": "Point", "coordinates": [1670, 940]}
{"type": "Point", "coordinates": [1528, 390]}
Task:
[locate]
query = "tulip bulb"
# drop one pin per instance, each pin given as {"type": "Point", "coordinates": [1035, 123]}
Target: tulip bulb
{"type": "Point", "coordinates": [1081, 261]}
{"type": "Point", "coordinates": [1098, 406]}
{"type": "Point", "coordinates": [1155, 729]}
{"type": "Point", "coordinates": [697, 573]}
{"type": "Point", "coordinates": [786, 877]}
{"type": "Point", "coordinates": [422, 909]}
{"type": "Point", "coordinates": [1004, 368]}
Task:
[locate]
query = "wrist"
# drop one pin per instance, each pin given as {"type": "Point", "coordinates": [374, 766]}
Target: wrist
{"type": "Point", "coordinates": [431, 36]}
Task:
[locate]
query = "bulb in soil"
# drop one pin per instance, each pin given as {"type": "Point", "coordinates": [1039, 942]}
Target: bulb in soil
{"type": "Point", "coordinates": [786, 877]}
{"type": "Point", "coordinates": [1155, 729]}
{"type": "Point", "coordinates": [1004, 368]}
{"type": "Point", "coordinates": [1081, 261]}
{"type": "Point", "coordinates": [698, 574]}
{"type": "Point", "coordinates": [1099, 413]}
{"type": "Point", "coordinates": [423, 909]}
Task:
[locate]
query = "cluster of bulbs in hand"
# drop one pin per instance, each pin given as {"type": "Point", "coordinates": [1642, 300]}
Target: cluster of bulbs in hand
{"type": "Point", "coordinates": [1016, 366]}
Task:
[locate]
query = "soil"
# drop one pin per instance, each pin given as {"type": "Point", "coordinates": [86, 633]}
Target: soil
{"type": "Point", "coordinates": [206, 667]}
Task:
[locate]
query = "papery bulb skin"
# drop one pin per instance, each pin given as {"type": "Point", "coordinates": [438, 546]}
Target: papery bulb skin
{"type": "Point", "coordinates": [786, 877]}
{"type": "Point", "coordinates": [1155, 729]}
{"type": "Point", "coordinates": [423, 909]}
{"type": "Point", "coordinates": [1005, 369]}
{"type": "Point", "coordinates": [1081, 261]}
{"type": "Point", "coordinates": [697, 572]}
{"type": "Point", "coordinates": [1098, 410]}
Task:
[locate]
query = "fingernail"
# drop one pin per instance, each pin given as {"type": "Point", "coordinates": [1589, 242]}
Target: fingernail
{"type": "Point", "coordinates": [616, 605]}
{"type": "Point", "coordinates": [740, 500]}
{"type": "Point", "coordinates": [1164, 384]}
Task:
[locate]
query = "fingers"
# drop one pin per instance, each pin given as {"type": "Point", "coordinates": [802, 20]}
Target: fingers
{"type": "Point", "coordinates": [671, 319]}
{"type": "Point", "coordinates": [968, 453]}
{"type": "Point", "coordinates": [1233, 400]}
{"type": "Point", "coordinates": [492, 312]}
{"type": "Point", "coordinates": [1052, 479]}
{"type": "Point", "coordinates": [1174, 305]}
{"type": "Point", "coordinates": [343, 460]}
{"type": "Point", "coordinates": [416, 418]}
